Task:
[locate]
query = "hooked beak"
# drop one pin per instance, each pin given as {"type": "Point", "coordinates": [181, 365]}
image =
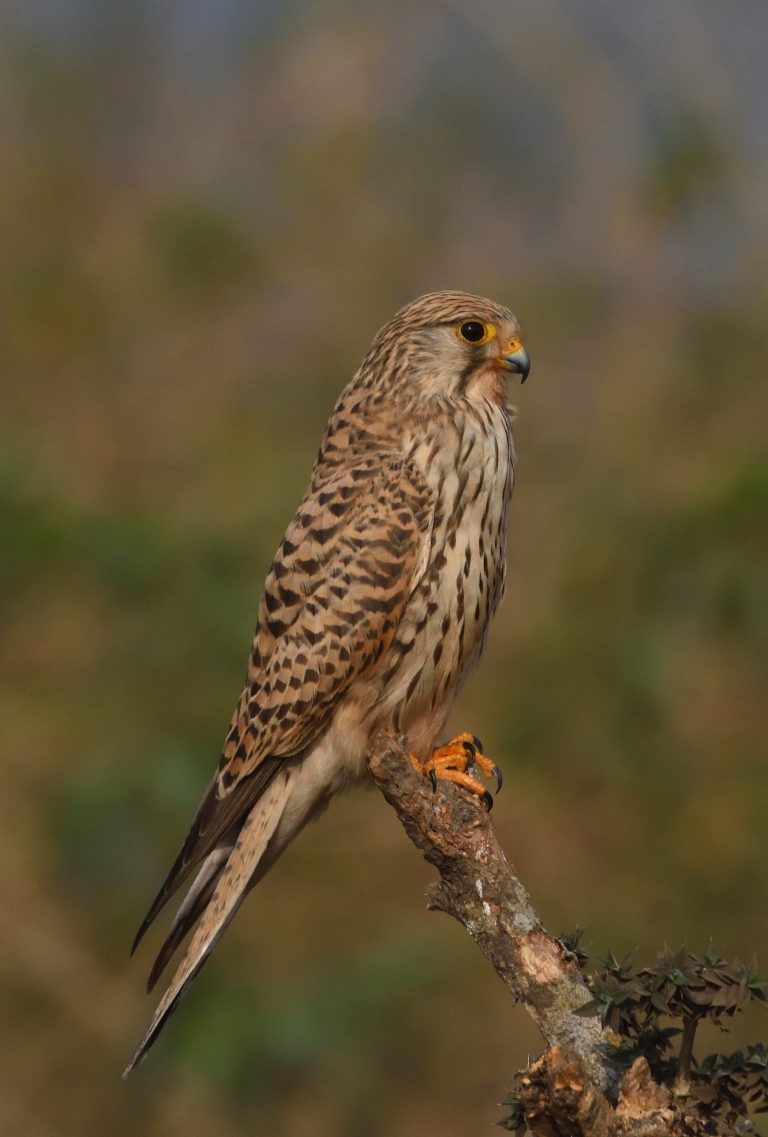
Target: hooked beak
{"type": "Point", "coordinates": [515, 358]}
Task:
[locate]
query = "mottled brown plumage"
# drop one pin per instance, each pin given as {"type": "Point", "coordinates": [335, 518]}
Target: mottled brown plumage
{"type": "Point", "coordinates": [376, 605]}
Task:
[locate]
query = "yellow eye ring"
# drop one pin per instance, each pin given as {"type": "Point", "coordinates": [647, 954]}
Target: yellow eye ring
{"type": "Point", "coordinates": [474, 332]}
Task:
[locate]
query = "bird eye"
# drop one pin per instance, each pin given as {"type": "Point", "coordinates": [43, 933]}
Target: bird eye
{"type": "Point", "coordinates": [472, 331]}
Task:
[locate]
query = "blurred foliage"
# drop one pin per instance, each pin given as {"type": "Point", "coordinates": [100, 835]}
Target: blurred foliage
{"type": "Point", "coordinates": [689, 163]}
{"type": "Point", "coordinates": [204, 219]}
{"type": "Point", "coordinates": [200, 250]}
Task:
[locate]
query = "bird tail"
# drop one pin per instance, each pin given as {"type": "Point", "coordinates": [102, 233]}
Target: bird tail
{"type": "Point", "coordinates": [191, 909]}
{"type": "Point", "coordinates": [231, 885]}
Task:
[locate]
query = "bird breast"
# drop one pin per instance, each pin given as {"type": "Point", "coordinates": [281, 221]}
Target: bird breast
{"type": "Point", "coordinates": [468, 460]}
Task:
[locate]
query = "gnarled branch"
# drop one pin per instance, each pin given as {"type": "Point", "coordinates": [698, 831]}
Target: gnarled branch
{"type": "Point", "coordinates": [574, 1088]}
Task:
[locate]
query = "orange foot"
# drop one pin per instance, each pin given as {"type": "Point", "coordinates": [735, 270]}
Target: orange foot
{"type": "Point", "coordinates": [457, 763]}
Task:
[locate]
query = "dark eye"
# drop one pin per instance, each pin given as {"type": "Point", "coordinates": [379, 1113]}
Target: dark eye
{"type": "Point", "coordinates": [472, 331]}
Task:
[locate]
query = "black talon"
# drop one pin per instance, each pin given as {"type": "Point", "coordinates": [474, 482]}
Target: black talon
{"type": "Point", "coordinates": [477, 744]}
{"type": "Point", "coordinates": [472, 750]}
{"type": "Point", "coordinates": [433, 780]}
{"type": "Point", "coordinates": [487, 801]}
{"type": "Point", "coordinates": [497, 775]}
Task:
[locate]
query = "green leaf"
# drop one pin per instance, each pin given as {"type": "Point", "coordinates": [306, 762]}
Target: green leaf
{"type": "Point", "coordinates": [589, 1009]}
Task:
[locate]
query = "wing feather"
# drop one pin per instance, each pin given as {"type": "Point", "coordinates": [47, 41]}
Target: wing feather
{"type": "Point", "coordinates": [331, 604]}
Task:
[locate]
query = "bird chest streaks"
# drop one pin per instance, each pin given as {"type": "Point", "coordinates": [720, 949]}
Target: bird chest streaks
{"type": "Point", "coordinates": [445, 624]}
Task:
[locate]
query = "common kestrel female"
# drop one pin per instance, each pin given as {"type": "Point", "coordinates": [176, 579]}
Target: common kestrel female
{"type": "Point", "coordinates": [375, 608]}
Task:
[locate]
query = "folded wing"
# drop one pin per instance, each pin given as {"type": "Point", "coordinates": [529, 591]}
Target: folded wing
{"type": "Point", "coordinates": [332, 601]}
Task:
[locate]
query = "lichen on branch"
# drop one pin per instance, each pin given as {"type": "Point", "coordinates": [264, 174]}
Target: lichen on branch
{"type": "Point", "coordinates": [587, 1083]}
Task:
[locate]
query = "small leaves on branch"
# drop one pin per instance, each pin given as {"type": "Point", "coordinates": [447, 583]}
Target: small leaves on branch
{"type": "Point", "coordinates": [640, 1008]}
{"type": "Point", "coordinates": [619, 1039]}
{"type": "Point", "coordinates": [679, 984]}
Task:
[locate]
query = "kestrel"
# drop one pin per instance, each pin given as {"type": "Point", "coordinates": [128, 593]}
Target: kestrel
{"type": "Point", "coordinates": [376, 606]}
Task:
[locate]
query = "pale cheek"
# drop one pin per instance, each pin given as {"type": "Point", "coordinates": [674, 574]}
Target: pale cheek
{"type": "Point", "coordinates": [439, 377]}
{"type": "Point", "coordinates": [488, 382]}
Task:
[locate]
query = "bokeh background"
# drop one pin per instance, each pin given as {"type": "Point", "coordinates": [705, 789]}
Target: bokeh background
{"type": "Point", "coordinates": [207, 210]}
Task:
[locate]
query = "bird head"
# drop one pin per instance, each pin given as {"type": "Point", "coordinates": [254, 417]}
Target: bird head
{"type": "Point", "coordinates": [449, 344]}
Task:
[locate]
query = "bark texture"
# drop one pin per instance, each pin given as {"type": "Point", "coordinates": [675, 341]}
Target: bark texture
{"type": "Point", "coordinates": [574, 1089]}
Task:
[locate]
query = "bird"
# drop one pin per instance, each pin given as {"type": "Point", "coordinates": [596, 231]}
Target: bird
{"type": "Point", "coordinates": [375, 608]}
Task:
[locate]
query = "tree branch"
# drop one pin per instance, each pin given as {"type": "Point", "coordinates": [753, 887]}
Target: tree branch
{"type": "Point", "coordinates": [571, 1089]}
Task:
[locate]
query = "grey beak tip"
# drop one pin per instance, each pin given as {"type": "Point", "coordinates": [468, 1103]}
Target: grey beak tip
{"type": "Point", "coordinates": [519, 362]}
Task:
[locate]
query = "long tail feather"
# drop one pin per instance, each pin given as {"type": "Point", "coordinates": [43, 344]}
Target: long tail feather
{"type": "Point", "coordinates": [192, 907]}
{"type": "Point", "coordinates": [228, 894]}
{"type": "Point", "coordinates": [214, 818]}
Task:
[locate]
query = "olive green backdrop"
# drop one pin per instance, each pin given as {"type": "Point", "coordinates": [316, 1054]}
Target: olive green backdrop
{"type": "Point", "coordinates": [207, 211]}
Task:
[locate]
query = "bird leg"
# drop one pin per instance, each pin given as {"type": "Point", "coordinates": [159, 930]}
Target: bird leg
{"type": "Point", "coordinates": [458, 762]}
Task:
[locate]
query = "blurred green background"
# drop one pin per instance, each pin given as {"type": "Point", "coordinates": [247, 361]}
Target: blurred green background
{"type": "Point", "coordinates": [207, 211]}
